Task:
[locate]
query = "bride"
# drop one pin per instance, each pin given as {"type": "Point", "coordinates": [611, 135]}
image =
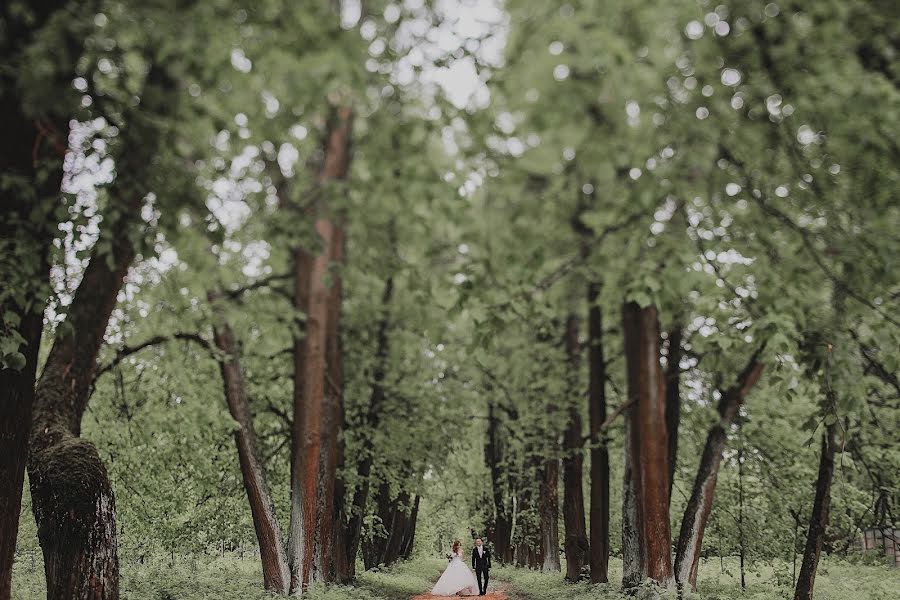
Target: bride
{"type": "Point", "coordinates": [457, 578]}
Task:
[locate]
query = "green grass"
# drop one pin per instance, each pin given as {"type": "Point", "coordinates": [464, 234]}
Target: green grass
{"type": "Point", "coordinates": [230, 578]}
{"type": "Point", "coordinates": [836, 580]}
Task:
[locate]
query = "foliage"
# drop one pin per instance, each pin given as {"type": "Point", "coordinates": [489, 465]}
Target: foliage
{"type": "Point", "coordinates": [721, 163]}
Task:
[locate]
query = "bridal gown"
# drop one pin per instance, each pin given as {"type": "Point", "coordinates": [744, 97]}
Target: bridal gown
{"type": "Point", "coordinates": [457, 579]}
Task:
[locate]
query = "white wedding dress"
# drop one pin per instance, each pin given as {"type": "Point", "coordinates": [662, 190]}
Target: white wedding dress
{"type": "Point", "coordinates": [457, 579]}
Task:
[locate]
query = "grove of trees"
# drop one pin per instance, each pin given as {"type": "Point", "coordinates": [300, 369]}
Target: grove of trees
{"type": "Point", "coordinates": [601, 280]}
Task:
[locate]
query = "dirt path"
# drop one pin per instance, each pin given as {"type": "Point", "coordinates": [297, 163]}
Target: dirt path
{"type": "Point", "coordinates": [494, 594]}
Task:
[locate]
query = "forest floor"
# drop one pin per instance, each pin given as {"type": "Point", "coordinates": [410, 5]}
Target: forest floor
{"type": "Point", "coordinates": [231, 578]}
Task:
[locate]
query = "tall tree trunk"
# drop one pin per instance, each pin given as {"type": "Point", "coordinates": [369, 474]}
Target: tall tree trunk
{"type": "Point", "coordinates": [276, 573]}
{"type": "Point", "coordinates": [327, 508]}
{"type": "Point", "coordinates": [31, 151]}
{"type": "Point", "coordinates": [548, 491]}
{"type": "Point", "coordinates": [633, 560]}
{"type": "Point", "coordinates": [741, 537]}
{"type": "Point", "coordinates": [818, 521]}
{"type": "Point", "coordinates": [311, 296]}
{"type": "Point", "coordinates": [71, 495]}
{"type": "Point", "coordinates": [341, 569]}
{"type": "Point", "coordinates": [549, 511]}
{"type": "Point", "coordinates": [696, 513]}
{"type": "Point", "coordinates": [599, 451]}
{"type": "Point", "coordinates": [400, 525]}
{"type": "Point", "coordinates": [647, 463]}
{"type": "Point", "coordinates": [673, 398]}
{"type": "Point", "coordinates": [373, 417]}
{"type": "Point", "coordinates": [576, 543]}
{"type": "Point", "coordinates": [500, 526]}
{"type": "Point", "coordinates": [343, 572]}
{"type": "Point", "coordinates": [410, 538]}
{"type": "Point", "coordinates": [16, 401]}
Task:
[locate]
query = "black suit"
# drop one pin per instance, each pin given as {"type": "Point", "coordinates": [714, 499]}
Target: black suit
{"type": "Point", "coordinates": [482, 566]}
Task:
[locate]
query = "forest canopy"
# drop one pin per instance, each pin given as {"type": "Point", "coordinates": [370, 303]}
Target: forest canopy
{"type": "Point", "coordinates": [295, 294]}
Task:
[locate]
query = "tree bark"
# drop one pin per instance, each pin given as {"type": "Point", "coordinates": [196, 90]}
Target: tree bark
{"type": "Point", "coordinates": [673, 399]}
{"type": "Point", "coordinates": [741, 537]}
{"type": "Point", "coordinates": [31, 151]}
{"type": "Point", "coordinates": [311, 296]}
{"type": "Point", "coordinates": [276, 573]}
{"type": "Point", "coordinates": [818, 521]}
{"type": "Point", "coordinates": [696, 513]}
{"type": "Point", "coordinates": [576, 543]}
{"type": "Point", "coordinates": [341, 571]}
{"type": "Point", "coordinates": [599, 453]}
{"type": "Point", "coordinates": [327, 508]}
{"type": "Point", "coordinates": [647, 466]}
{"type": "Point", "coordinates": [548, 491]}
{"type": "Point", "coordinates": [16, 401]}
{"type": "Point", "coordinates": [500, 527]}
{"type": "Point", "coordinates": [549, 511]}
{"type": "Point", "coordinates": [409, 540]}
{"type": "Point", "coordinates": [373, 418]}
{"type": "Point", "coordinates": [71, 495]}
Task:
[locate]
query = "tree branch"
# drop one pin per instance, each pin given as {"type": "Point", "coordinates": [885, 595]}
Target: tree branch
{"type": "Point", "coordinates": [126, 351]}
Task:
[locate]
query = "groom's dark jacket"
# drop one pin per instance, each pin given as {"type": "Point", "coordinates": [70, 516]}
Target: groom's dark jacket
{"type": "Point", "coordinates": [483, 562]}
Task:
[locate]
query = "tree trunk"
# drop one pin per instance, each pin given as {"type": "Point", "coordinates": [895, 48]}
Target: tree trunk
{"type": "Point", "coordinates": [31, 150]}
{"type": "Point", "coordinates": [311, 296]}
{"type": "Point", "coordinates": [410, 538]}
{"type": "Point", "coordinates": [400, 525]}
{"type": "Point", "coordinates": [548, 490]}
{"type": "Point", "coordinates": [696, 513]}
{"type": "Point", "coordinates": [71, 495]}
{"type": "Point", "coordinates": [16, 401]}
{"type": "Point", "coordinates": [818, 521]}
{"type": "Point", "coordinates": [647, 465]}
{"type": "Point", "coordinates": [500, 527]}
{"type": "Point", "coordinates": [327, 508]}
{"type": "Point", "coordinates": [373, 417]}
{"type": "Point", "coordinates": [549, 510]}
{"type": "Point", "coordinates": [741, 538]}
{"type": "Point", "coordinates": [576, 543]}
{"type": "Point", "coordinates": [673, 399]}
{"type": "Point", "coordinates": [276, 573]}
{"type": "Point", "coordinates": [599, 452]}
{"type": "Point", "coordinates": [633, 568]}
{"type": "Point", "coordinates": [341, 568]}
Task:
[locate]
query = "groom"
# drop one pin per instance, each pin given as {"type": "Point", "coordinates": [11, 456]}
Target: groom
{"type": "Point", "coordinates": [481, 563]}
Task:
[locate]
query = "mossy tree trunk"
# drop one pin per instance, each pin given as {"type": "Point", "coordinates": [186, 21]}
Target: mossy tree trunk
{"type": "Point", "coordinates": [71, 495]}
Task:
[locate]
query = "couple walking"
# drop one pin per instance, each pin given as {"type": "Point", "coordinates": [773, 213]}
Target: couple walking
{"type": "Point", "coordinates": [458, 579]}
